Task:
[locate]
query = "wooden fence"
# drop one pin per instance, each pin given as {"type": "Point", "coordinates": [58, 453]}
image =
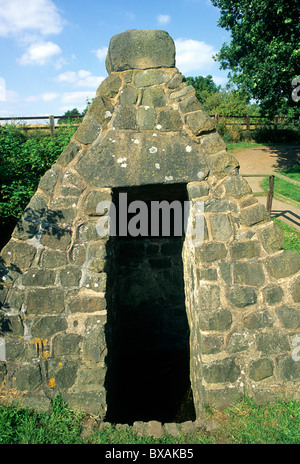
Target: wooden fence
{"type": "Point", "coordinates": [246, 122]}
{"type": "Point", "coordinates": [271, 193]}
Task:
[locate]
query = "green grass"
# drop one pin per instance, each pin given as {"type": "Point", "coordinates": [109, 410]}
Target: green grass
{"type": "Point", "coordinates": [285, 188]}
{"type": "Point", "coordinates": [244, 423]}
{"type": "Point", "coordinates": [237, 146]}
{"type": "Point", "coordinates": [291, 236]}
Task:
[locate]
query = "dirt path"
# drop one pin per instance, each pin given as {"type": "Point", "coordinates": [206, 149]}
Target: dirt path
{"type": "Point", "coordinates": [263, 160]}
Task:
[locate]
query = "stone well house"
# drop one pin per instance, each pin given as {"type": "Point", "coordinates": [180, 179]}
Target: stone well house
{"type": "Point", "coordinates": [112, 321]}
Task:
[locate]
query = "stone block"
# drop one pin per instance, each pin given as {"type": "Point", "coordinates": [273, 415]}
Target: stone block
{"type": "Point", "coordinates": [210, 252]}
{"type": "Point", "coordinates": [272, 342]}
{"type": "Point", "coordinates": [272, 238]}
{"type": "Point", "coordinates": [68, 154]}
{"type": "Point", "coordinates": [19, 254]}
{"type": "Point", "coordinates": [146, 118]}
{"type": "Point", "coordinates": [28, 377]}
{"type": "Point", "coordinates": [12, 324]}
{"type": "Point", "coordinates": [258, 320]}
{"type": "Point", "coordinates": [209, 297]}
{"type": "Point", "coordinates": [189, 102]}
{"type": "Point", "coordinates": [253, 215]}
{"type": "Point", "coordinates": [197, 189]}
{"type": "Point", "coordinates": [96, 282]}
{"type": "Point", "coordinates": [128, 96]}
{"type": "Point", "coordinates": [295, 290]}
{"type": "Point", "coordinates": [154, 429]}
{"type": "Point", "coordinates": [273, 294]}
{"type": "Point", "coordinates": [213, 143]}
{"type": "Point", "coordinates": [70, 276]}
{"type": "Point", "coordinates": [45, 300]}
{"type": "Point", "coordinates": [248, 273]}
{"type": "Point", "coordinates": [221, 227]}
{"type": "Point", "coordinates": [240, 250]}
{"type": "Point", "coordinates": [49, 180]}
{"type": "Point", "coordinates": [283, 265]}
{"type": "Point", "coordinates": [38, 278]}
{"type": "Point", "coordinates": [154, 97]}
{"type": "Point", "coordinates": [242, 296]}
{"type": "Point", "coordinates": [222, 164]}
{"type": "Point", "coordinates": [211, 344]}
{"type": "Point", "coordinates": [208, 274]}
{"type": "Point", "coordinates": [52, 259]}
{"type": "Point", "coordinates": [175, 81]}
{"type": "Point", "coordinates": [66, 344]}
{"type": "Point", "coordinates": [170, 428]}
{"type": "Point", "coordinates": [87, 304]}
{"type": "Point", "coordinates": [288, 368]}
{"type": "Point", "coordinates": [237, 343]}
{"type": "Point", "coordinates": [140, 49]}
{"type": "Point", "coordinates": [289, 317]}
{"type": "Point", "coordinates": [125, 118]}
{"type": "Point", "coordinates": [150, 77]}
{"type": "Point", "coordinates": [216, 206]}
{"type": "Point", "coordinates": [45, 327]}
{"type": "Point", "coordinates": [170, 120]}
{"type": "Point", "coordinates": [220, 320]}
{"type": "Point", "coordinates": [225, 370]}
{"type": "Point", "coordinates": [63, 373]}
{"type": "Point", "coordinates": [56, 238]}
{"type": "Point", "coordinates": [236, 186]}
{"type": "Point", "coordinates": [89, 402]}
{"type": "Point", "coordinates": [94, 347]}
{"type": "Point", "coordinates": [110, 86]}
{"type": "Point", "coordinates": [88, 130]}
{"type": "Point", "coordinates": [199, 122]}
{"type": "Point", "coordinates": [261, 369]}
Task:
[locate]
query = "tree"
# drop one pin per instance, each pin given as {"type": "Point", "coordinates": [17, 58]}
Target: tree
{"type": "Point", "coordinates": [204, 86]}
{"type": "Point", "coordinates": [264, 52]}
{"type": "Point", "coordinates": [70, 114]}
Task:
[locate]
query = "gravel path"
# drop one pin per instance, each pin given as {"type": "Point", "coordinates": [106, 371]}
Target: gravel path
{"type": "Point", "coordinates": [263, 160]}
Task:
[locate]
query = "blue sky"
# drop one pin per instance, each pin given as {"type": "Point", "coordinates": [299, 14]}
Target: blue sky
{"type": "Point", "coordinates": [52, 52]}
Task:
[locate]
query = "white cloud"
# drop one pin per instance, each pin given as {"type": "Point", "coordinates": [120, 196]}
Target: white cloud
{"type": "Point", "coordinates": [18, 17]}
{"type": "Point", "coordinates": [219, 80]}
{"type": "Point", "coordinates": [2, 89]}
{"type": "Point", "coordinates": [77, 100]}
{"type": "Point", "coordinates": [101, 53]}
{"type": "Point", "coordinates": [39, 53]}
{"type": "Point", "coordinates": [46, 97]}
{"type": "Point", "coordinates": [79, 79]}
{"type": "Point", "coordinates": [163, 19]}
{"type": "Point", "coordinates": [193, 55]}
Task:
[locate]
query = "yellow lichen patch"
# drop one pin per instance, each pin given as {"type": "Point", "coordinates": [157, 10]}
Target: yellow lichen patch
{"type": "Point", "coordinates": [45, 355]}
{"type": "Point", "coordinates": [51, 383]}
{"type": "Point", "coordinates": [39, 342]}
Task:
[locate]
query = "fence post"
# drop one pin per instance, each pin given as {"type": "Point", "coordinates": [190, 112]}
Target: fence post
{"type": "Point", "coordinates": [270, 194]}
{"type": "Point", "coordinates": [248, 122]}
{"type": "Point", "coordinates": [217, 118]}
{"type": "Point", "coordinates": [52, 125]}
{"type": "Point", "coordinates": [275, 121]}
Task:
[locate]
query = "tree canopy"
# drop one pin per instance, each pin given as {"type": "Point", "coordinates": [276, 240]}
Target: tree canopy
{"type": "Point", "coordinates": [264, 52]}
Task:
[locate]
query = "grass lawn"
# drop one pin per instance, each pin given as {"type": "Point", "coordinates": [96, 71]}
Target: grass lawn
{"type": "Point", "coordinates": [244, 423]}
{"type": "Point", "coordinates": [285, 188]}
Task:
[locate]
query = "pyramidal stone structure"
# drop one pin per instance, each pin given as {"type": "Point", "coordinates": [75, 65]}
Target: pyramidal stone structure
{"type": "Point", "coordinates": [67, 289]}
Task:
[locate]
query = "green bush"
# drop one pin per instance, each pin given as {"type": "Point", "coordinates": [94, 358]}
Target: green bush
{"type": "Point", "coordinates": [280, 135]}
{"type": "Point", "coordinates": [24, 159]}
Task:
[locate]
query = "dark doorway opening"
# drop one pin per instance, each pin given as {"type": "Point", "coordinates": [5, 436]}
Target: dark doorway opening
{"type": "Point", "coordinates": [150, 369]}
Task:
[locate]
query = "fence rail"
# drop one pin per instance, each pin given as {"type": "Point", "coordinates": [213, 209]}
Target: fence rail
{"type": "Point", "coordinates": [271, 193]}
{"type": "Point", "coordinates": [246, 122]}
